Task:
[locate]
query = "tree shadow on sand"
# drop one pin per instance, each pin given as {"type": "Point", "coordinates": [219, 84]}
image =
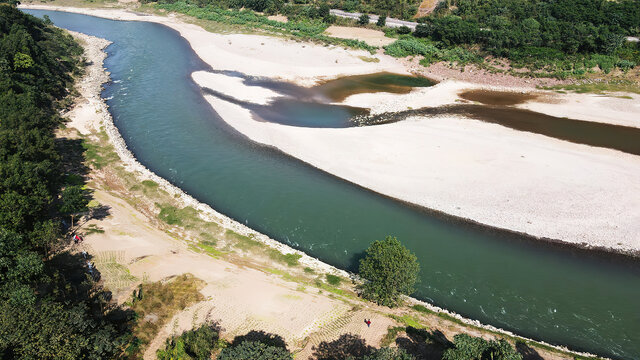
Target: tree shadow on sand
{"type": "Point", "coordinates": [527, 352]}
{"type": "Point", "coordinates": [423, 344]}
{"type": "Point", "coordinates": [346, 346]}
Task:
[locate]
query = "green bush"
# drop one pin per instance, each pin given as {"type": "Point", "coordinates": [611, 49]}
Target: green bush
{"type": "Point", "coordinates": [410, 47]}
{"type": "Point", "coordinates": [466, 347]}
{"type": "Point", "coordinates": [403, 30]}
{"type": "Point", "coordinates": [626, 64]}
{"type": "Point", "coordinates": [333, 280]}
{"type": "Point", "coordinates": [195, 344]}
{"type": "Point", "coordinates": [390, 270]}
{"type": "Point", "coordinates": [254, 350]}
{"type": "Point", "coordinates": [606, 63]}
{"type": "Point", "coordinates": [363, 19]}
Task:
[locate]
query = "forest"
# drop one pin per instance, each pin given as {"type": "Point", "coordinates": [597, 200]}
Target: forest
{"type": "Point", "coordinates": [49, 307]}
{"type": "Point", "coordinates": [546, 29]}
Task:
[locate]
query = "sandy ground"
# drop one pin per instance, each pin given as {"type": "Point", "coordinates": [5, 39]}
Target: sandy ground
{"type": "Point", "coordinates": [280, 18]}
{"type": "Point", "coordinates": [370, 36]}
{"type": "Point", "coordinates": [282, 308]}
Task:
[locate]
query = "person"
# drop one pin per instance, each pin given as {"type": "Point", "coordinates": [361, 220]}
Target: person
{"type": "Point", "coordinates": [368, 322]}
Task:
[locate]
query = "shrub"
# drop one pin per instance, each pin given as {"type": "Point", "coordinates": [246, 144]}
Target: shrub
{"type": "Point", "coordinates": [363, 19]}
{"type": "Point", "coordinates": [390, 270]}
{"type": "Point", "coordinates": [403, 30]}
{"type": "Point", "coordinates": [195, 344]}
{"type": "Point", "coordinates": [466, 347]}
{"type": "Point", "coordinates": [254, 350]}
{"type": "Point", "coordinates": [626, 64]}
{"type": "Point", "coordinates": [382, 21]}
{"type": "Point", "coordinates": [408, 47]}
{"type": "Point", "coordinates": [422, 30]}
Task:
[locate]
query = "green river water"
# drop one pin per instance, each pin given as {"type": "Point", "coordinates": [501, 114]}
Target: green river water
{"type": "Point", "coordinates": [585, 300]}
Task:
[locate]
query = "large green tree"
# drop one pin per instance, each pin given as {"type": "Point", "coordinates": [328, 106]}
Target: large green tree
{"type": "Point", "coordinates": [254, 350]}
{"type": "Point", "coordinates": [389, 271]}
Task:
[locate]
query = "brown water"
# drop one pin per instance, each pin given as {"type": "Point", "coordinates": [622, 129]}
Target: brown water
{"type": "Point", "coordinates": [501, 98]}
{"type": "Point", "coordinates": [339, 89]}
{"type": "Point", "coordinates": [623, 138]}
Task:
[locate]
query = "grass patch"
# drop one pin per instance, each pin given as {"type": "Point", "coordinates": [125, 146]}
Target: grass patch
{"type": "Point", "coordinates": [210, 248]}
{"type": "Point", "coordinates": [99, 156]}
{"type": "Point", "coordinates": [333, 280]}
{"type": "Point", "coordinates": [171, 215]}
{"type": "Point", "coordinates": [159, 302]}
{"type": "Point", "coordinates": [309, 270]}
{"type": "Point", "coordinates": [600, 87]}
{"type": "Point", "coordinates": [289, 259]}
{"type": "Point", "coordinates": [408, 320]}
{"type": "Point", "coordinates": [149, 185]}
{"type": "Point", "coordinates": [243, 242]}
{"type": "Point", "coordinates": [369, 59]}
{"type": "Point", "coordinates": [93, 229]}
{"type": "Point", "coordinates": [391, 335]}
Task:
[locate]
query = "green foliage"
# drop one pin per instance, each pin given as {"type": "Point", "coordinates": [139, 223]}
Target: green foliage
{"type": "Point", "coordinates": [289, 259]}
{"type": "Point", "coordinates": [403, 30]}
{"type": "Point", "coordinates": [333, 280]}
{"type": "Point", "coordinates": [197, 344]}
{"type": "Point", "coordinates": [254, 350]}
{"type": "Point", "coordinates": [174, 216]}
{"type": "Point", "coordinates": [466, 347]}
{"type": "Point", "coordinates": [390, 270]}
{"type": "Point", "coordinates": [382, 21]}
{"type": "Point", "coordinates": [308, 26]}
{"type": "Point", "coordinates": [22, 61]}
{"type": "Point", "coordinates": [553, 35]}
{"type": "Point", "coordinates": [363, 19]}
{"type": "Point", "coordinates": [410, 47]}
{"type": "Point", "coordinates": [387, 353]}
{"type": "Point", "coordinates": [49, 307]}
{"type": "Point", "coordinates": [161, 300]}
{"type": "Point", "coordinates": [74, 200]}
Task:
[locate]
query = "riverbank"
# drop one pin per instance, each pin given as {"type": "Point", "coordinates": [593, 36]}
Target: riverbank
{"type": "Point", "coordinates": [133, 237]}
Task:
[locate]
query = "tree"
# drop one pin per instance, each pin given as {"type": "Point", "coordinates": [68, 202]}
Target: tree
{"type": "Point", "coordinates": [382, 21]}
{"type": "Point", "coordinates": [466, 347]}
{"type": "Point", "coordinates": [389, 270]}
{"type": "Point", "coordinates": [363, 19]}
{"type": "Point", "coordinates": [254, 350]}
{"type": "Point", "coordinates": [74, 200]}
{"type": "Point", "coordinates": [193, 344]}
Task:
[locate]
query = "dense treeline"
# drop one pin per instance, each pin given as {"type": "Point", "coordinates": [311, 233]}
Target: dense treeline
{"type": "Point", "coordinates": [538, 28]}
{"type": "Point", "coordinates": [49, 307]}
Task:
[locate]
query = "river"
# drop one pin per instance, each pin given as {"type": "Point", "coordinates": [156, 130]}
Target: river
{"type": "Point", "coordinates": [585, 300]}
